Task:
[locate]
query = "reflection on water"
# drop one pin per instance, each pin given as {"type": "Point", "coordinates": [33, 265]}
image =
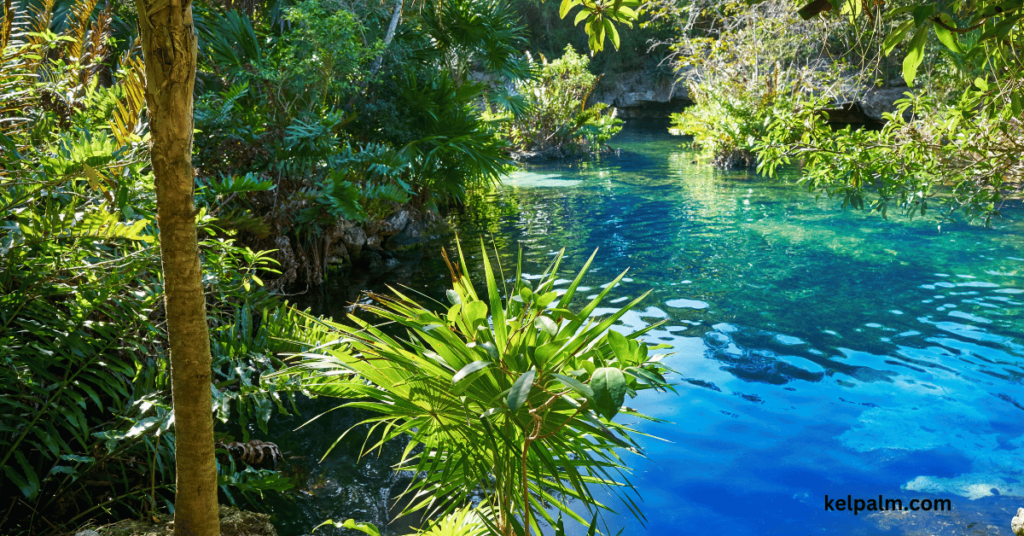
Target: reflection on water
{"type": "Point", "coordinates": [819, 351]}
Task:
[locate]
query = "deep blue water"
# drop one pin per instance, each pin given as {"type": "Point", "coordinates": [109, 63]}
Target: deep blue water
{"type": "Point", "coordinates": [820, 351]}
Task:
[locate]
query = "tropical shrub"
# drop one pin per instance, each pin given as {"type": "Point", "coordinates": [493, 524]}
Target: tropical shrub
{"type": "Point", "coordinates": [961, 158]}
{"type": "Point", "coordinates": [556, 112]}
{"type": "Point", "coordinates": [278, 111]}
{"type": "Point", "coordinates": [962, 148]}
{"type": "Point", "coordinates": [511, 396]}
{"type": "Point", "coordinates": [729, 118]}
{"type": "Point", "coordinates": [743, 65]}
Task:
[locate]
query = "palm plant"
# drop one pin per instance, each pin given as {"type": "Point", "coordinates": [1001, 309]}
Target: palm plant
{"type": "Point", "coordinates": [485, 32]}
{"type": "Point", "coordinates": [513, 397]}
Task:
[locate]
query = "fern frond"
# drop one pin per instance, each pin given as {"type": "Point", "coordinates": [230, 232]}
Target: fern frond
{"type": "Point", "coordinates": [81, 10]}
{"type": "Point", "coordinates": [104, 226]}
{"type": "Point", "coordinates": [124, 121]}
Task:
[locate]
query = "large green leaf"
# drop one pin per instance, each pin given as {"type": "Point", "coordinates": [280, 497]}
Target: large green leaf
{"type": "Point", "coordinates": [609, 386]}
{"type": "Point", "coordinates": [915, 55]}
{"type": "Point", "coordinates": [521, 390]}
{"type": "Point", "coordinates": [470, 369]}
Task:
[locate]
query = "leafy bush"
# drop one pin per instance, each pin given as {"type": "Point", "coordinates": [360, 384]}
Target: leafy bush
{"type": "Point", "coordinates": [966, 155]}
{"type": "Point", "coordinates": [556, 114]}
{"type": "Point", "coordinates": [745, 64]}
{"type": "Point", "coordinates": [513, 397]}
{"type": "Point", "coordinates": [278, 110]}
{"type": "Point", "coordinates": [729, 118]}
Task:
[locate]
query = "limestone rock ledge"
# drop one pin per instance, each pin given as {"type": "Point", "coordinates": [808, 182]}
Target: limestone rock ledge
{"type": "Point", "coordinates": [641, 94]}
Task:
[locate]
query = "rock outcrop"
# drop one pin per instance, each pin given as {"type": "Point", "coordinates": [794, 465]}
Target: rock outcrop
{"type": "Point", "coordinates": [878, 101]}
{"type": "Point", "coordinates": [640, 94]}
{"type": "Point", "coordinates": [411, 228]}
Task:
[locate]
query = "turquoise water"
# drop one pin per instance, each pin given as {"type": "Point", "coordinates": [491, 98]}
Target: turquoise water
{"type": "Point", "coordinates": [820, 352]}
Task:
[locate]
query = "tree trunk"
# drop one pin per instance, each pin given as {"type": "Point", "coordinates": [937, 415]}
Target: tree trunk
{"type": "Point", "coordinates": [396, 16]}
{"type": "Point", "coordinates": [169, 48]}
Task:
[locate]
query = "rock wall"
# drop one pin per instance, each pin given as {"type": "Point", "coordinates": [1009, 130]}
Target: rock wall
{"type": "Point", "coordinates": [642, 94]}
{"type": "Point", "coordinates": [651, 94]}
{"type": "Point", "coordinates": [375, 244]}
{"type": "Point", "coordinates": [372, 245]}
{"type": "Point", "coordinates": [877, 101]}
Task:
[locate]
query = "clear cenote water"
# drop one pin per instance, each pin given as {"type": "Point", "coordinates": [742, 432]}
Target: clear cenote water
{"type": "Point", "coordinates": [820, 352]}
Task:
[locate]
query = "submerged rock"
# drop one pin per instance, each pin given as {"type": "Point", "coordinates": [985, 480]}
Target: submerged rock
{"type": "Point", "coordinates": [1017, 523]}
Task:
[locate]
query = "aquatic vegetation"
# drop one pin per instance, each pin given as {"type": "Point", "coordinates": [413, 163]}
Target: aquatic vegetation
{"type": "Point", "coordinates": [511, 396]}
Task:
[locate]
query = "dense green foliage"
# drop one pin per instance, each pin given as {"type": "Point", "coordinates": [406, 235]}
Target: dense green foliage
{"type": "Point", "coordinates": [745, 65]}
{"type": "Point", "coordinates": [958, 138]}
{"type": "Point", "coordinates": [550, 34]}
{"type": "Point", "coordinates": [87, 428]}
{"type": "Point", "coordinates": [509, 392]}
{"type": "Point", "coordinates": [347, 131]}
{"type": "Point", "coordinates": [967, 135]}
{"type": "Point", "coordinates": [556, 112]}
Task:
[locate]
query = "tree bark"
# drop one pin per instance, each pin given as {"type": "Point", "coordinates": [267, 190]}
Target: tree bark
{"type": "Point", "coordinates": [396, 16]}
{"type": "Point", "coordinates": [169, 49]}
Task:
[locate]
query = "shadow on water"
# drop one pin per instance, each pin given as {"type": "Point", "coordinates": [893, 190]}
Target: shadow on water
{"type": "Point", "coordinates": [820, 352]}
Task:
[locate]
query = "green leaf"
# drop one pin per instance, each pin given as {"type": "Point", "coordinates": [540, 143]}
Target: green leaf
{"type": "Point", "coordinates": [77, 458]}
{"type": "Point", "coordinates": [575, 385]}
{"type": "Point", "coordinates": [500, 329]}
{"type": "Point", "coordinates": [609, 387]}
{"type": "Point", "coordinates": [453, 297]}
{"type": "Point", "coordinates": [19, 481]}
{"type": "Point", "coordinates": [546, 352]}
{"type": "Point", "coordinates": [612, 33]}
{"type": "Point", "coordinates": [476, 312]}
{"type": "Point", "coordinates": [469, 369]}
{"type": "Point", "coordinates": [915, 55]}
{"type": "Point", "coordinates": [521, 390]}
{"type": "Point", "coordinates": [922, 12]}
{"type": "Point", "coordinates": [32, 488]}
{"type": "Point", "coordinates": [619, 345]}
{"type": "Point", "coordinates": [566, 6]}
{"type": "Point", "coordinates": [544, 300]}
{"type": "Point", "coordinates": [896, 37]}
{"type": "Point", "coordinates": [546, 325]}
{"type": "Point", "coordinates": [945, 36]}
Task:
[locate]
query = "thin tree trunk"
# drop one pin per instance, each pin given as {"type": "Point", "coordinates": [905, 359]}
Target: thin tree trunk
{"type": "Point", "coordinates": [396, 15]}
{"type": "Point", "coordinates": [169, 48]}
